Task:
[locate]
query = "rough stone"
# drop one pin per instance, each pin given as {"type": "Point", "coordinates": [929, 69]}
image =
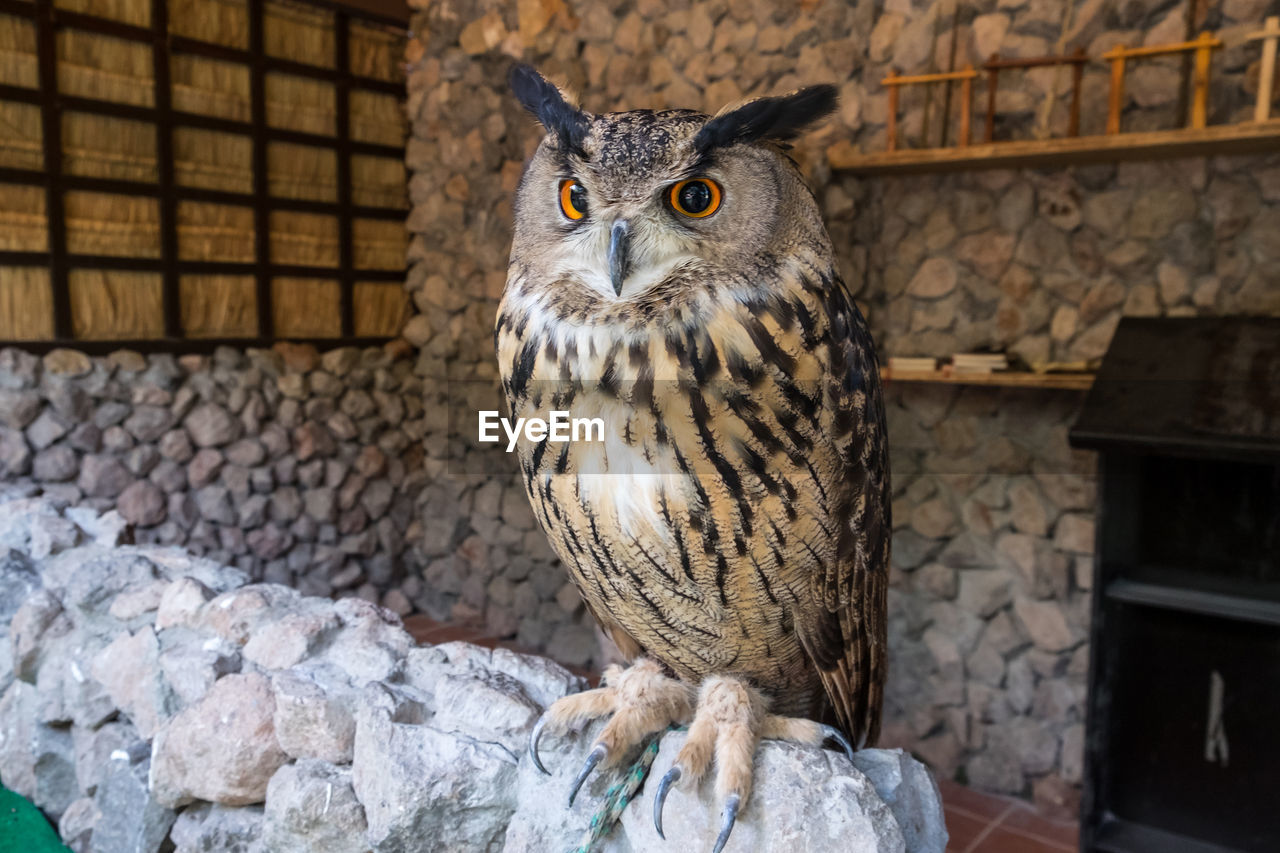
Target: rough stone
{"type": "Point", "coordinates": [103, 476]}
{"type": "Point", "coordinates": [311, 806]}
{"type": "Point", "coordinates": [76, 826]}
{"type": "Point", "coordinates": [315, 715]}
{"type": "Point", "coordinates": [223, 749]}
{"type": "Point", "coordinates": [36, 760]}
{"type": "Point", "coordinates": [56, 464]}
{"type": "Point", "coordinates": [206, 827]}
{"type": "Point", "coordinates": [204, 468]}
{"type": "Point", "coordinates": [1045, 625]}
{"type": "Point", "coordinates": [842, 807]}
{"type": "Point", "coordinates": [428, 789]}
{"type": "Point", "coordinates": [289, 637]}
{"type": "Point", "coordinates": [129, 670]}
{"type": "Point", "coordinates": [210, 425]}
{"type": "Point", "coordinates": [142, 504]}
{"type": "Point", "coordinates": [129, 817]}
{"type": "Point", "coordinates": [935, 278]}
{"type": "Point", "coordinates": [148, 423]}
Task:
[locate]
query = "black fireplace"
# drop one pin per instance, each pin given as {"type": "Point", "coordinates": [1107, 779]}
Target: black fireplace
{"type": "Point", "coordinates": [1182, 751]}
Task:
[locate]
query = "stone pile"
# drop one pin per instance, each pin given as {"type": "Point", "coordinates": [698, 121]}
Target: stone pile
{"type": "Point", "coordinates": [152, 700]}
{"type": "Point", "coordinates": [329, 472]}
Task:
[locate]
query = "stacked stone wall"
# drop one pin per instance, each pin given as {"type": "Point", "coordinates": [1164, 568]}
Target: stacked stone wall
{"type": "Point", "coordinates": [296, 467]}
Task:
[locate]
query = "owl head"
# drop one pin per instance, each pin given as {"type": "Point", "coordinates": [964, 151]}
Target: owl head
{"type": "Point", "coordinates": [616, 203]}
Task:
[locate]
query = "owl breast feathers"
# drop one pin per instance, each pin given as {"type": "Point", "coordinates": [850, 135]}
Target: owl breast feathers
{"type": "Point", "coordinates": [670, 274]}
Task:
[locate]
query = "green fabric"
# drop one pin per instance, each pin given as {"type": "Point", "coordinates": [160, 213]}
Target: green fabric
{"type": "Point", "coordinates": [23, 829]}
{"type": "Point", "coordinates": [619, 795]}
{"type": "Point", "coordinates": [621, 792]}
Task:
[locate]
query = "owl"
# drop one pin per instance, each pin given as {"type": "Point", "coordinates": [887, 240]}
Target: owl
{"type": "Point", "coordinates": [670, 275]}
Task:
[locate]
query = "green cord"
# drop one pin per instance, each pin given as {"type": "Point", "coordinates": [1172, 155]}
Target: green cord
{"type": "Point", "coordinates": [620, 795]}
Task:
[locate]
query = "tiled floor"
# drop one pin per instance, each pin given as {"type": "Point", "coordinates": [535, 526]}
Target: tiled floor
{"type": "Point", "coordinates": [985, 823]}
{"type": "Point", "coordinates": [977, 822]}
{"type": "Point", "coordinates": [426, 630]}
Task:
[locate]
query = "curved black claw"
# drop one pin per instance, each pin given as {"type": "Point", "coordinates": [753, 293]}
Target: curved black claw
{"type": "Point", "coordinates": [673, 776]}
{"type": "Point", "coordinates": [836, 735]}
{"type": "Point", "coordinates": [726, 825]}
{"type": "Point", "coordinates": [597, 753]}
{"type": "Point", "coordinates": [534, 737]}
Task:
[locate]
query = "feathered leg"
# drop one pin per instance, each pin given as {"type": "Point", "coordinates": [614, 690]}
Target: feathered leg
{"type": "Point", "coordinates": [730, 721]}
{"type": "Point", "coordinates": [641, 699]}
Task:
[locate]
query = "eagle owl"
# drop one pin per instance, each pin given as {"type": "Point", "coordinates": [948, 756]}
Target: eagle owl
{"type": "Point", "coordinates": [670, 275]}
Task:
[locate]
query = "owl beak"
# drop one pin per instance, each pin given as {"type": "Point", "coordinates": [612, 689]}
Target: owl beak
{"type": "Point", "coordinates": [619, 254]}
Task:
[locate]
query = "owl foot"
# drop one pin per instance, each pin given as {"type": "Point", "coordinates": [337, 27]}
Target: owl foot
{"type": "Point", "coordinates": [728, 725]}
{"type": "Point", "coordinates": [641, 699]}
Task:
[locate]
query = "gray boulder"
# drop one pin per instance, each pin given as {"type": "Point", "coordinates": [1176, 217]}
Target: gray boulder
{"type": "Point", "coordinates": [802, 799]}
{"type": "Point", "coordinates": [94, 748]}
{"type": "Point", "coordinates": [207, 827]}
{"type": "Point", "coordinates": [18, 580]}
{"type": "Point", "coordinates": [68, 692]}
{"type": "Point", "coordinates": [315, 713]}
{"type": "Point", "coordinates": [129, 669]}
{"type": "Point", "coordinates": [311, 806]}
{"type": "Point", "coordinates": [35, 527]}
{"type": "Point", "coordinates": [912, 795]}
{"type": "Point", "coordinates": [77, 822]}
{"type": "Point", "coordinates": [130, 821]}
{"type": "Point", "coordinates": [223, 749]}
{"type": "Point", "coordinates": [542, 819]}
{"type": "Point", "coordinates": [426, 790]}
{"type": "Point", "coordinates": [36, 760]}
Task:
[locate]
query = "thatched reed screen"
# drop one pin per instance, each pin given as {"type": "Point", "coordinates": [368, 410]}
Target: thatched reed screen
{"type": "Point", "coordinates": [180, 173]}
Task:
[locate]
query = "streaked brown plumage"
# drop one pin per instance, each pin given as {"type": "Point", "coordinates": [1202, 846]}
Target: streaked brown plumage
{"type": "Point", "coordinates": [735, 522]}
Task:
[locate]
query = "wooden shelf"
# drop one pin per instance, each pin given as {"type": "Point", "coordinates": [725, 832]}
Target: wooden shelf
{"type": "Point", "coordinates": [1002, 379]}
{"type": "Point", "coordinates": [1244, 138]}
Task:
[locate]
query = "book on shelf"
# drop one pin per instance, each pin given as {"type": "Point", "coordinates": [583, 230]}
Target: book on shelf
{"type": "Point", "coordinates": [979, 362]}
{"type": "Point", "coordinates": [912, 364]}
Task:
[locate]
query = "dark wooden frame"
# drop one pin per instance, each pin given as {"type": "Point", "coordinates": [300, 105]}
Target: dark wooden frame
{"type": "Point", "coordinates": [48, 20]}
{"type": "Point", "coordinates": [1139, 412]}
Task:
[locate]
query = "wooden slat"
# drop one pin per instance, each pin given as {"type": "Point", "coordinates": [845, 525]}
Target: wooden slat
{"type": "Point", "coordinates": [1267, 70]}
{"type": "Point", "coordinates": [1004, 379]}
{"type": "Point", "coordinates": [939, 77]}
{"type": "Point", "coordinates": [1115, 99]}
{"type": "Point", "coordinates": [1122, 52]}
{"type": "Point", "coordinates": [996, 62]}
{"type": "Point", "coordinates": [1184, 142]}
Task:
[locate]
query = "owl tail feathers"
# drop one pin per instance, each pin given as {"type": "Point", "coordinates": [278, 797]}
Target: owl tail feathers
{"type": "Point", "coordinates": [550, 105]}
{"type": "Point", "coordinates": [777, 119]}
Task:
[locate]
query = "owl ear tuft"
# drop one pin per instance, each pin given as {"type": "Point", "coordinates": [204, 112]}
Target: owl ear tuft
{"type": "Point", "coordinates": [778, 119]}
{"type": "Point", "coordinates": [549, 106]}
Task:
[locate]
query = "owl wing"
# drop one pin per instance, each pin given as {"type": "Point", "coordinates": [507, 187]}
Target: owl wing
{"type": "Point", "coordinates": [843, 630]}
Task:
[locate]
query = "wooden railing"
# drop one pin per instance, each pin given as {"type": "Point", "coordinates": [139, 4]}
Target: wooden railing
{"type": "Point", "coordinates": [1196, 138]}
{"type": "Point", "coordinates": [1119, 55]}
{"type": "Point", "coordinates": [996, 64]}
{"type": "Point", "coordinates": [896, 81]}
{"type": "Point", "coordinates": [1269, 35]}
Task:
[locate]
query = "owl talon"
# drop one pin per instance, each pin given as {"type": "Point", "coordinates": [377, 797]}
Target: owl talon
{"type": "Point", "coordinates": [673, 776]}
{"type": "Point", "coordinates": [534, 737]}
{"type": "Point", "coordinates": [593, 758]}
{"type": "Point", "coordinates": [726, 825]}
{"type": "Point", "coordinates": [832, 733]}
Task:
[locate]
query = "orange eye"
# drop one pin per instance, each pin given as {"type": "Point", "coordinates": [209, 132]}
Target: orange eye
{"type": "Point", "coordinates": [573, 199]}
{"type": "Point", "coordinates": [696, 197]}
